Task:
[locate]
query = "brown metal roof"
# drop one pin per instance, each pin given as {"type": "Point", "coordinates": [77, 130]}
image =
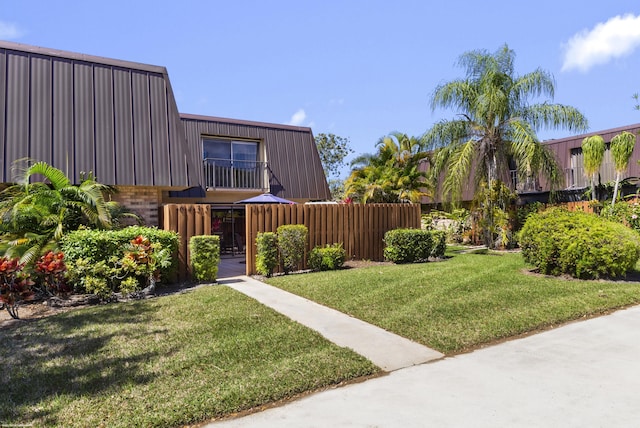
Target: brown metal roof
{"type": "Point", "coordinates": [84, 113]}
{"type": "Point", "coordinates": [293, 160]}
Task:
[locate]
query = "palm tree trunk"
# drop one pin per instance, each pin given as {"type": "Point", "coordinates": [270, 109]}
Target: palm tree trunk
{"type": "Point", "coordinates": [615, 189]}
{"type": "Point", "coordinates": [492, 176]}
{"type": "Point", "coordinates": [593, 187]}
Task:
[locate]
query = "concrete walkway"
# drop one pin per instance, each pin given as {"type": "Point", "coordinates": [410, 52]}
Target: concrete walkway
{"type": "Point", "coordinates": [386, 350]}
{"type": "Point", "coordinates": [584, 374]}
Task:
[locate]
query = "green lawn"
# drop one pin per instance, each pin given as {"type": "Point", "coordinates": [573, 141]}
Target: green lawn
{"type": "Point", "coordinates": [460, 303]}
{"type": "Point", "coordinates": [166, 362]}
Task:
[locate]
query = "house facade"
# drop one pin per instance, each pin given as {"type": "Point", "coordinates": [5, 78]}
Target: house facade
{"type": "Point", "coordinates": [120, 121]}
{"type": "Point", "coordinates": [568, 153]}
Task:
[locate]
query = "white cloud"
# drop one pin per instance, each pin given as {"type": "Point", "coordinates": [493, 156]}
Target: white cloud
{"type": "Point", "coordinates": [298, 118]}
{"type": "Point", "coordinates": [9, 30]}
{"type": "Point", "coordinates": [617, 37]}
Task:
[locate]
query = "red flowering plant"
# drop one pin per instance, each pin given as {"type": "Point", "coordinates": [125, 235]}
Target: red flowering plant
{"type": "Point", "coordinates": [53, 272]}
{"type": "Point", "coordinates": [143, 260]}
{"type": "Point", "coordinates": [15, 285]}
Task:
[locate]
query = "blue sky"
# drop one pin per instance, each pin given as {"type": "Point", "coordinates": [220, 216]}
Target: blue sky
{"type": "Point", "coordinates": [356, 68]}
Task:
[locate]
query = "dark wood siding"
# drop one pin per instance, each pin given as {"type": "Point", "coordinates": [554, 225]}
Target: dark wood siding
{"type": "Point", "coordinates": [17, 114]}
{"type": "Point", "coordinates": [3, 127]}
{"type": "Point", "coordinates": [63, 156]}
{"type": "Point", "coordinates": [40, 124]}
{"type": "Point", "coordinates": [79, 113]}
{"type": "Point", "coordinates": [83, 119]}
{"type": "Point", "coordinates": [295, 170]}
{"type": "Point", "coordinates": [104, 125]}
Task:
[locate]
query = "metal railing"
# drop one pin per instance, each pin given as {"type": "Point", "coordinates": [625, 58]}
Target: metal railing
{"type": "Point", "coordinates": [230, 174]}
{"type": "Point", "coordinates": [529, 184]}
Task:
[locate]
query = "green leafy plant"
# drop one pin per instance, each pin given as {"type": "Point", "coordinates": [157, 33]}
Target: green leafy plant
{"type": "Point", "coordinates": [413, 245]}
{"type": "Point", "coordinates": [593, 148]}
{"type": "Point", "coordinates": [621, 150]}
{"type": "Point", "coordinates": [292, 241]}
{"type": "Point", "coordinates": [267, 253]}
{"type": "Point", "coordinates": [205, 256]}
{"type": "Point", "coordinates": [330, 257]}
{"type": "Point", "coordinates": [105, 245]}
{"type": "Point", "coordinates": [126, 269]}
{"type": "Point", "coordinates": [582, 245]}
{"type": "Point", "coordinates": [35, 215]}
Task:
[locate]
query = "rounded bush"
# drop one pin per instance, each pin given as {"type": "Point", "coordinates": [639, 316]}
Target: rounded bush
{"type": "Point", "coordinates": [413, 245]}
{"type": "Point", "coordinates": [330, 257]}
{"type": "Point", "coordinates": [578, 244]}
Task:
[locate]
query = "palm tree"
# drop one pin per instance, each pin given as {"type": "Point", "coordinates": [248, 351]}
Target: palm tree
{"type": "Point", "coordinates": [593, 153]}
{"type": "Point", "coordinates": [496, 124]}
{"type": "Point", "coordinates": [621, 149]}
{"type": "Point", "coordinates": [393, 174]}
{"type": "Point", "coordinates": [35, 214]}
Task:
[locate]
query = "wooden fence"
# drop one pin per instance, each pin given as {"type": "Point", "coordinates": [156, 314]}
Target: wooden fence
{"type": "Point", "coordinates": [188, 221]}
{"type": "Point", "coordinates": [360, 228]}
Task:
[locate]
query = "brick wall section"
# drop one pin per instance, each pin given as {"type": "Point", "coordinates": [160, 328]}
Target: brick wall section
{"type": "Point", "coordinates": [143, 201]}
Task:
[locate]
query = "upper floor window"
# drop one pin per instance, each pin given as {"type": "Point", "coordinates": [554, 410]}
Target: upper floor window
{"type": "Point", "coordinates": [239, 154]}
{"type": "Point", "coordinates": [575, 173]}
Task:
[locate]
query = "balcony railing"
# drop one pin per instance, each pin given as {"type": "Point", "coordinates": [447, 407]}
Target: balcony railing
{"type": "Point", "coordinates": [229, 174]}
{"type": "Point", "coordinates": [530, 184]}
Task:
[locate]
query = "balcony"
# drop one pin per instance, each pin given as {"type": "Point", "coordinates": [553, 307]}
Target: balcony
{"type": "Point", "coordinates": [229, 174]}
{"type": "Point", "coordinates": [530, 184]}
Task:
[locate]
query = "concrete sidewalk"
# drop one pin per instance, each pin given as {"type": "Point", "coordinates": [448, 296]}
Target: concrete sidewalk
{"type": "Point", "coordinates": [386, 350]}
{"type": "Point", "coordinates": [584, 374]}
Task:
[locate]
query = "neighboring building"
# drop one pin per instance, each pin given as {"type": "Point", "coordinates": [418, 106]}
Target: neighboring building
{"type": "Point", "coordinates": [119, 120]}
{"type": "Point", "coordinates": [568, 153]}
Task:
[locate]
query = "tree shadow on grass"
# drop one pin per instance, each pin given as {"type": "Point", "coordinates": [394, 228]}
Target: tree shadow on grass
{"type": "Point", "coordinates": [79, 353]}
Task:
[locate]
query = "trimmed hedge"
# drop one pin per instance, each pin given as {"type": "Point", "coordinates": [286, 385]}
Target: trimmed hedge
{"type": "Point", "coordinates": [330, 257]}
{"type": "Point", "coordinates": [205, 256]}
{"type": "Point", "coordinates": [581, 245]}
{"type": "Point", "coordinates": [414, 245]}
{"type": "Point", "coordinates": [267, 253]}
{"type": "Point", "coordinates": [99, 245]}
{"type": "Point", "coordinates": [292, 241]}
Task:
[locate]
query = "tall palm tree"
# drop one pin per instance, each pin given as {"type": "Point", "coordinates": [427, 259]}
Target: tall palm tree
{"type": "Point", "coordinates": [621, 149]}
{"type": "Point", "coordinates": [392, 174]}
{"type": "Point", "coordinates": [593, 148]}
{"type": "Point", "coordinates": [496, 123]}
{"type": "Point", "coordinates": [34, 214]}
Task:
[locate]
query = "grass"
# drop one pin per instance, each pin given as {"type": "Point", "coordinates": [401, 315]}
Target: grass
{"type": "Point", "coordinates": [165, 362]}
{"type": "Point", "coordinates": [461, 303]}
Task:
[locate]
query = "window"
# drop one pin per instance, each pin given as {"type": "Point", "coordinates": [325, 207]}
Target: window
{"type": "Point", "coordinates": [576, 175]}
{"type": "Point", "coordinates": [232, 164]}
{"type": "Point", "coordinates": [227, 153]}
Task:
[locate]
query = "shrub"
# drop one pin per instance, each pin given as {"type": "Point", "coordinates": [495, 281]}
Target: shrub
{"type": "Point", "coordinates": [439, 239]}
{"type": "Point", "coordinates": [51, 270]}
{"type": "Point", "coordinates": [292, 241]}
{"type": "Point", "coordinates": [578, 244]}
{"type": "Point", "coordinates": [330, 257]}
{"type": "Point", "coordinates": [627, 213]}
{"type": "Point", "coordinates": [267, 253]}
{"type": "Point", "coordinates": [15, 285]}
{"type": "Point", "coordinates": [205, 256]}
{"type": "Point", "coordinates": [104, 262]}
{"type": "Point", "coordinates": [413, 245]}
{"type": "Point", "coordinates": [102, 245]}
